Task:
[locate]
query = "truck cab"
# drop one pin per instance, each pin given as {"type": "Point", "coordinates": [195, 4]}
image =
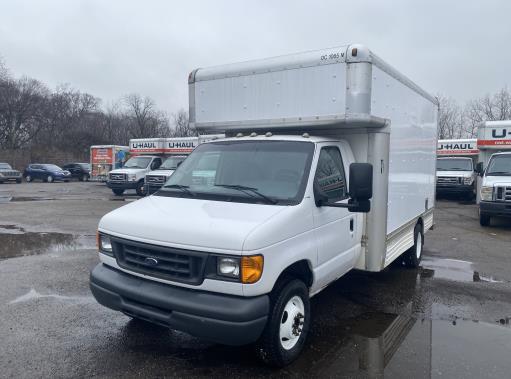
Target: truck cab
{"type": "Point", "coordinates": [495, 193]}
{"type": "Point", "coordinates": [455, 176]}
{"type": "Point", "coordinates": [132, 175]}
{"type": "Point", "coordinates": [154, 180]}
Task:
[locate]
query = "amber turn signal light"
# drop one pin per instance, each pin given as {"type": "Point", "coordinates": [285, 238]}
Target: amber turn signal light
{"type": "Point", "coordinates": [251, 268]}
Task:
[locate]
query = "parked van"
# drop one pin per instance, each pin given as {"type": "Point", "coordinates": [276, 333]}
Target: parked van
{"type": "Point", "coordinates": [494, 168]}
{"type": "Point", "coordinates": [329, 166]}
{"type": "Point", "coordinates": [105, 158]}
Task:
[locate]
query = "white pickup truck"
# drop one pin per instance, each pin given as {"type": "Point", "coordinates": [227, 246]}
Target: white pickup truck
{"type": "Point", "coordinates": [329, 166]}
{"type": "Point", "coordinates": [494, 168]}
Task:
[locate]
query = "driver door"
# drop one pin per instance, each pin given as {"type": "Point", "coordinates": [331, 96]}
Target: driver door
{"type": "Point", "coordinates": [335, 228]}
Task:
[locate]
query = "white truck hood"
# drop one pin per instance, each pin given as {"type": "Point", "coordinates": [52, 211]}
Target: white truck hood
{"type": "Point", "coordinates": [497, 181]}
{"type": "Point", "coordinates": [193, 223]}
{"type": "Point", "coordinates": [166, 173]}
{"type": "Point", "coordinates": [127, 170]}
{"type": "Point", "coordinates": [455, 174]}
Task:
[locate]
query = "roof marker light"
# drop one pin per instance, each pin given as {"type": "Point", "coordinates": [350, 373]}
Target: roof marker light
{"type": "Point", "coordinates": [268, 134]}
{"type": "Point", "coordinates": [305, 135]}
{"type": "Point", "coordinates": [239, 135]}
{"type": "Point", "coordinates": [354, 52]}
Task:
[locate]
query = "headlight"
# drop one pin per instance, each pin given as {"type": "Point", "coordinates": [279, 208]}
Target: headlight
{"type": "Point", "coordinates": [104, 243]}
{"type": "Point", "coordinates": [467, 181]}
{"type": "Point", "coordinates": [247, 269]}
{"type": "Point", "coordinates": [1, 175]}
{"type": "Point", "coordinates": [486, 193]}
{"type": "Point", "coordinates": [132, 177]}
{"type": "Point", "coordinates": [229, 267]}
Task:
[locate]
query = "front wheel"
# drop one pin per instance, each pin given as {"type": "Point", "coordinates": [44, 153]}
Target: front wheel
{"type": "Point", "coordinates": [84, 178]}
{"type": "Point", "coordinates": [49, 179]}
{"type": "Point", "coordinates": [28, 178]}
{"type": "Point", "coordinates": [286, 331]}
{"type": "Point", "coordinates": [140, 188]}
{"type": "Point", "coordinates": [118, 192]}
{"type": "Point", "coordinates": [412, 257]}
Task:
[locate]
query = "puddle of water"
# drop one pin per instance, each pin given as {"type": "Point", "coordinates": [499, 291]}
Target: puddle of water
{"type": "Point", "coordinates": [453, 269]}
{"type": "Point", "coordinates": [378, 345]}
{"type": "Point", "coordinates": [34, 295]}
{"type": "Point", "coordinates": [15, 242]}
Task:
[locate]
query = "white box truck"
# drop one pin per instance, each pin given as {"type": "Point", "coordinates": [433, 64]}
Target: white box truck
{"type": "Point", "coordinates": [494, 168]}
{"type": "Point", "coordinates": [147, 154]}
{"type": "Point", "coordinates": [456, 162]}
{"type": "Point", "coordinates": [330, 167]}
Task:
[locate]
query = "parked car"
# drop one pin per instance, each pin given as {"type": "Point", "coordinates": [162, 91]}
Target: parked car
{"type": "Point", "coordinates": [46, 173]}
{"type": "Point", "coordinates": [80, 171]}
{"type": "Point", "coordinates": [7, 173]}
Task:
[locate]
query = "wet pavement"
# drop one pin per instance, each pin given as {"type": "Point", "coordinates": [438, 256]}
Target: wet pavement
{"type": "Point", "coordinates": [449, 319]}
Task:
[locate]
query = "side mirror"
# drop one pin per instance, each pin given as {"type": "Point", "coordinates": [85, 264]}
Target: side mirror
{"type": "Point", "coordinates": [479, 168]}
{"type": "Point", "coordinates": [361, 190]}
{"type": "Point", "coordinates": [155, 165]}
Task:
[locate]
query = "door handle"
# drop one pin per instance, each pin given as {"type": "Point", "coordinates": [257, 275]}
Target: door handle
{"type": "Point", "coordinates": [352, 224]}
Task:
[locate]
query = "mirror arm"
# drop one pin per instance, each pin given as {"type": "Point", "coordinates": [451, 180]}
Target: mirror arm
{"type": "Point", "coordinates": [353, 204]}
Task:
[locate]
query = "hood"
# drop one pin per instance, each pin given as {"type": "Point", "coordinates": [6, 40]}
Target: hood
{"type": "Point", "coordinates": [189, 223]}
{"type": "Point", "coordinates": [455, 174]}
{"type": "Point", "coordinates": [166, 173]}
{"type": "Point", "coordinates": [497, 181]}
{"type": "Point", "coordinates": [127, 170]}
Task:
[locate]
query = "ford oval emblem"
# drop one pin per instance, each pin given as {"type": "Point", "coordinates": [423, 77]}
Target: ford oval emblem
{"type": "Point", "coordinates": [151, 261]}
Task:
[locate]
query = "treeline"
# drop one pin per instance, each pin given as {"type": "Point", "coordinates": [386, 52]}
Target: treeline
{"type": "Point", "coordinates": [66, 119]}
{"type": "Point", "coordinates": [460, 121]}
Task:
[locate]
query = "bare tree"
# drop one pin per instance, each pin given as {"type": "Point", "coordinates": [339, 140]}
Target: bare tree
{"type": "Point", "coordinates": [144, 119]}
{"type": "Point", "coordinates": [22, 111]}
{"type": "Point", "coordinates": [182, 126]}
{"type": "Point", "coordinates": [488, 108]}
{"type": "Point", "coordinates": [450, 118]}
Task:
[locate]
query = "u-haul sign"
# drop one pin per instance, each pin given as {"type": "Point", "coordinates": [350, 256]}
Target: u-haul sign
{"type": "Point", "coordinates": [184, 145]}
{"type": "Point", "coordinates": [453, 147]}
{"type": "Point", "coordinates": [147, 146]}
{"type": "Point", "coordinates": [495, 135]}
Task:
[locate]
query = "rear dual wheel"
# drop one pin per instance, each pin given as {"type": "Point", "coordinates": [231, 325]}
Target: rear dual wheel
{"type": "Point", "coordinates": [413, 256]}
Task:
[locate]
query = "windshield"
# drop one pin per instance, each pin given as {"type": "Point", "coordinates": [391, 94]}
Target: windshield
{"type": "Point", "coordinates": [52, 167]}
{"type": "Point", "coordinates": [138, 162]}
{"type": "Point", "coordinates": [499, 165]}
{"type": "Point", "coordinates": [454, 164]}
{"type": "Point", "coordinates": [171, 163]}
{"type": "Point", "coordinates": [269, 172]}
{"type": "Point", "coordinates": [5, 166]}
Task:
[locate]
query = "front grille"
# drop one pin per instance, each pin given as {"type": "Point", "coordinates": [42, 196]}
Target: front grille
{"type": "Point", "coordinates": [447, 181]}
{"type": "Point", "coordinates": [11, 174]}
{"type": "Point", "coordinates": [503, 193]}
{"type": "Point", "coordinates": [117, 177]}
{"type": "Point", "coordinates": [167, 263]}
{"type": "Point", "coordinates": [155, 179]}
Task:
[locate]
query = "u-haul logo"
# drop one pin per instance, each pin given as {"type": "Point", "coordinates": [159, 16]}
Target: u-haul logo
{"type": "Point", "coordinates": [143, 145]}
{"type": "Point", "coordinates": [496, 137]}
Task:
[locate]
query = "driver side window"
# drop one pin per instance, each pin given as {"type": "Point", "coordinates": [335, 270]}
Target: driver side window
{"type": "Point", "coordinates": [330, 175]}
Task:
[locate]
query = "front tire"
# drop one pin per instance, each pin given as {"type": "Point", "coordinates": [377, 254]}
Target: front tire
{"type": "Point", "coordinates": [484, 220]}
{"type": "Point", "coordinates": [413, 256]}
{"type": "Point", "coordinates": [118, 192]}
{"type": "Point", "coordinates": [288, 324]}
{"type": "Point", "coordinates": [28, 178]}
{"type": "Point", "coordinates": [84, 178]}
{"type": "Point", "coordinates": [49, 179]}
{"type": "Point", "coordinates": [140, 188]}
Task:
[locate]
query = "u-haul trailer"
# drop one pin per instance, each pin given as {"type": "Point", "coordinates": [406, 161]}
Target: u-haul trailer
{"type": "Point", "coordinates": [329, 166]}
{"type": "Point", "coordinates": [105, 158]}
{"type": "Point", "coordinates": [494, 168]}
{"type": "Point", "coordinates": [455, 167]}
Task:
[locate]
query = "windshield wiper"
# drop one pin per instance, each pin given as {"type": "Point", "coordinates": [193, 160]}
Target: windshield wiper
{"type": "Point", "coordinates": [181, 187]}
{"type": "Point", "coordinates": [248, 189]}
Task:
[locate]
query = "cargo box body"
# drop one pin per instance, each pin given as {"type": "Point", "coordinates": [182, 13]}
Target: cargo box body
{"type": "Point", "coordinates": [347, 93]}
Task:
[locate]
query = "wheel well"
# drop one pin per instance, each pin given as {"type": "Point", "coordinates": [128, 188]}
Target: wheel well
{"type": "Point", "coordinates": [299, 270]}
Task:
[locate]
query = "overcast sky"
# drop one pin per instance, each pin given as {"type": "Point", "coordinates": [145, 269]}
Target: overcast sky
{"type": "Point", "coordinates": [110, 48]}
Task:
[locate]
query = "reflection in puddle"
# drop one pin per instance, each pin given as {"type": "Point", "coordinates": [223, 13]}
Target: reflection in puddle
{"type": "Point", "coordinates": [453, 269]}
{"type": "Point", "coordinates": [377, 345]}
{"type": "Point", "coordinates": [16, 242]}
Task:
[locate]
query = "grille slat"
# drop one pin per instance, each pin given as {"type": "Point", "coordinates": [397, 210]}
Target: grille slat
{"type": "Point", "coordinates": [447, 180]}
{"type": "Point", "coordinates": [503, 193]}
{"type": "Point", "coordinates": [117, 177]}
{"type": "Point", "coordinates": [167, 263]}
{"type": "Point", "coordinates": [155, 179]}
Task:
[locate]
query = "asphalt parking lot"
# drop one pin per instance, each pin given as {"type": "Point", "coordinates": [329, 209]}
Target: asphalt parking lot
{"type": "Point", "coordinates": [451, 318]}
